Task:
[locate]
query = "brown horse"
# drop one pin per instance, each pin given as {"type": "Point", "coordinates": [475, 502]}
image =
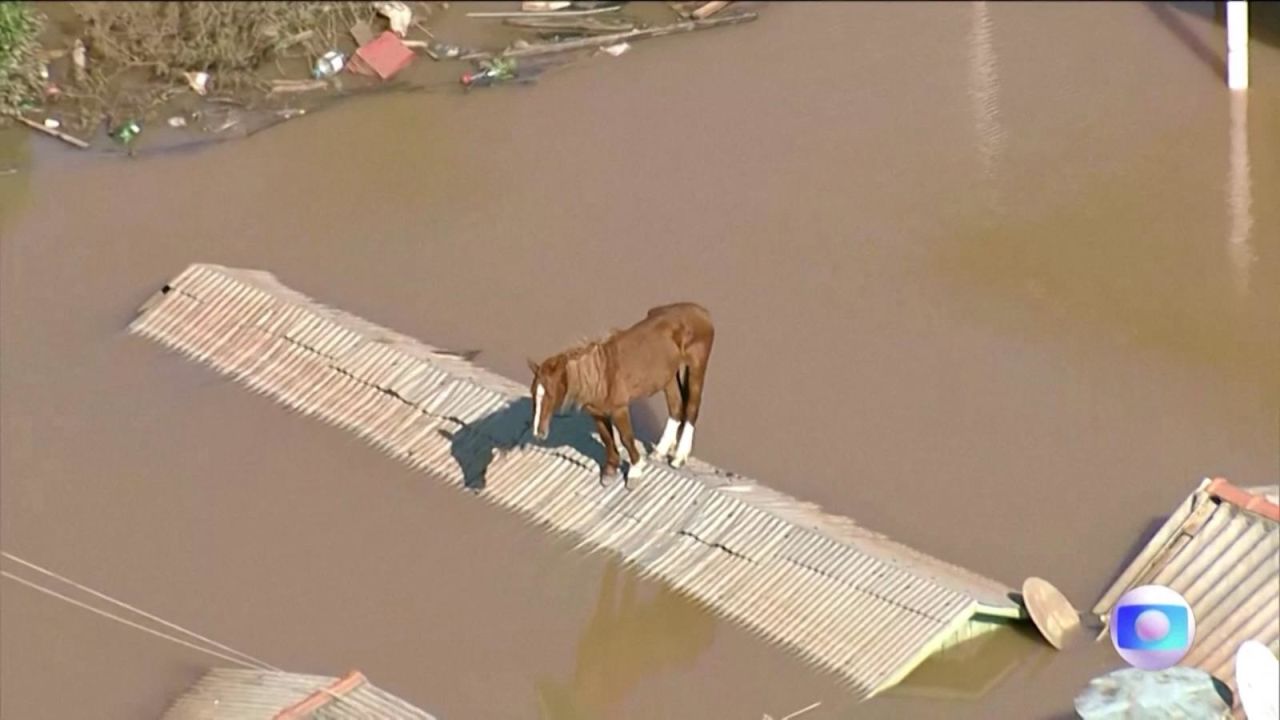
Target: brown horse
{"type": "Point", "coordinates": [668, 350]}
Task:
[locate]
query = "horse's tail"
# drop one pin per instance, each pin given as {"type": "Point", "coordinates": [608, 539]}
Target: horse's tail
{"type": "Point", "coordinates": [682, 380]}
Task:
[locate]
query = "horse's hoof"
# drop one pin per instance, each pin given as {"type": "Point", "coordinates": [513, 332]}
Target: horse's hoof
{"type": "Point", "coordinates": [635, 474]}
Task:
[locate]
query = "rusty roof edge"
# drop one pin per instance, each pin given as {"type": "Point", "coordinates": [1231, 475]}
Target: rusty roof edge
{"type": "Point", "coordinates": [1255, 503]}
{"type": "Point", "coordinates": [323, 696]}
{"type": "Point", "coordinates": [269, 690]}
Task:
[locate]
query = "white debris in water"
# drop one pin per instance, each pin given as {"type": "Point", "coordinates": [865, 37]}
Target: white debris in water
{"type": "Point", "coordinates": [398, 14]}
{"type": "Point", "coordinates": [199, 81]}
{"type": "Point", "coordinates": [177, 121]}
{"type": "Point", "coordinates": [616, 50]}
{"type": "Point", "coordinates": [52, 123]}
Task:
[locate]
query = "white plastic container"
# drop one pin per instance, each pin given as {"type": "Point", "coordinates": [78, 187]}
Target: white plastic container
{"type": "Point", "coordinates": [329, 64]}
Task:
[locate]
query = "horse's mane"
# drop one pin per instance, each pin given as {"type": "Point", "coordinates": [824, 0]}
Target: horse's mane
{"type": "Point", "coordinates": [586, 371]}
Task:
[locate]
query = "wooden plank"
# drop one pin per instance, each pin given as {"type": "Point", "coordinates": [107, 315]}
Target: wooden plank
{"type": "Point", "coordinates": [584, 25]}
{"type": "Point", "coordinates": [614, 38]}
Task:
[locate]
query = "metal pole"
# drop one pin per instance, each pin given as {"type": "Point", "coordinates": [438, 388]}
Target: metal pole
{"type": "Point", "coordinates": [1237, 44]}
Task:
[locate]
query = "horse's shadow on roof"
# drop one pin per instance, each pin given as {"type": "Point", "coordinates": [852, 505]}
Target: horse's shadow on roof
{"type": "Point", "coordinates": [474, 445]}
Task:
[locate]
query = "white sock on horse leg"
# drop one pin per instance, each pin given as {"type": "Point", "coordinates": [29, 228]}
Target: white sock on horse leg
{"type": "Point", "coordinates": [686, 445]}
{"type": "Point", "coordinates": [669, 434]}
{"type": "Point", "coordinates": [638, 468]}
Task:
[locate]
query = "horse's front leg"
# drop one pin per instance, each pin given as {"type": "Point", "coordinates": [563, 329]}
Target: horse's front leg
{"type": "Point", "coordinates": [604, 428]}
{"type": "Point", "coordinates": [622, 420]}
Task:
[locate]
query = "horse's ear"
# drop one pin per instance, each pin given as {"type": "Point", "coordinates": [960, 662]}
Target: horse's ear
{"type": "Point", "coordinates": [533, 366]}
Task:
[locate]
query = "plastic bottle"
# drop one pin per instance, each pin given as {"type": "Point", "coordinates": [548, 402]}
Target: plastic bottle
{"type": "Point", "coordinates": [329, 64]}
{"type": "Point", "coordinates": [127, 132]}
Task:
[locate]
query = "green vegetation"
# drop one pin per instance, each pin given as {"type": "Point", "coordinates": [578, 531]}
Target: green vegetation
{"type": "Point", "coordinates": [20, 81]}
{"type": "Point", "coordinates": [138, 52]}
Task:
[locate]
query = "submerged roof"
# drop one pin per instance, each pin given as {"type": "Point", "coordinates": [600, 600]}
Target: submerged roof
{"type": "Point", "coordinates": [233, 694]}
{"type": "Point", "coordinates": [1221, 550]}
{"type": "Point", "coordinates": [848, 599]}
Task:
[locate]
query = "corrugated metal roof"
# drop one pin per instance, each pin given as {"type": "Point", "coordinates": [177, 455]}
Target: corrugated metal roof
{"type": "Point", "coordinates": [1221, 550]}
{"type": "Point", "coordinates": [235, 694]}
{"type": "Point", "coordinates": [1270, 492]}
{"type": "Point", "coordinates": [848, 599]}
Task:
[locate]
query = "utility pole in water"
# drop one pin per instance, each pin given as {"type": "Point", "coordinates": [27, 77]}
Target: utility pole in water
{"type": "Point", "coordinates": [1237, 44]}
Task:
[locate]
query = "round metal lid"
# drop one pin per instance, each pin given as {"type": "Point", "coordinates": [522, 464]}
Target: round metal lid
{"type": "Point", "coordinates": [1050, 610]}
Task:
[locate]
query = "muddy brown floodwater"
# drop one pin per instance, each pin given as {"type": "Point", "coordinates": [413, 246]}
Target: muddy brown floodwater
{"type": "Point", "coordinates": [998, 280]}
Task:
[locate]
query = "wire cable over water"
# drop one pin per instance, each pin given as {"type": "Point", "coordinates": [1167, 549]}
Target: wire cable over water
{"type": "Point", "coordinates": [223, 652]}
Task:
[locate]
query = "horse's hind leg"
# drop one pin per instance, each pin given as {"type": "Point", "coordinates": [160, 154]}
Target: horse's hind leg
{"type": "Point", "coordinates": [699, 355]}
{"type": "Point", "coordinates": [675, 416]}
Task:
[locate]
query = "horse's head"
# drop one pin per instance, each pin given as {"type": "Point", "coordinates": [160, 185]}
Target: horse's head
{"type": "Point", "coordinates": [549, 387]}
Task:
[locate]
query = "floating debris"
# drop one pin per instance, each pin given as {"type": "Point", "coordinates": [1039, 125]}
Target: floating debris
{"type": "Point", "coordinates": [708, 10]}
{"type": "Point", "coordinates": [616, 50]}
{"type": "Point", "coordinates": [295, 86]}
{"type": "Point", "coordinates": [230, 120]}
{"type": "Point", "coordinates": [443, 51]}
{"type": "Point", "coordinates": [587, 25]}
{"type": "Point", "coordinates": [127, 132]}
{"type": "Point", "coordinates": [362, 32]}
{"type": "Point", "coordinates": [797, 713]}
{"type": "Point", "coordinates": [548, 13]}
{"type": "Point", "coordinates": [384, 57]}
{"type": "Point", "coordinates": [398, 14]}
{"type": "Point", "coordinates": [177, 121]}
{"type": "Point", "coordinates": [329, 64]}
{"type": "Point", "coordinates": [490, 72]}
{"type": "Point", "coordinates": [52, 123]}
{"type": "Point", "coordinates": [544, 6]}
{"type": "Point", "coordinates": [615, 38]}
{"type": "Point", "coordinates": [199, 81]}
{"type": "Point", "coordinates": [69, 139]}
